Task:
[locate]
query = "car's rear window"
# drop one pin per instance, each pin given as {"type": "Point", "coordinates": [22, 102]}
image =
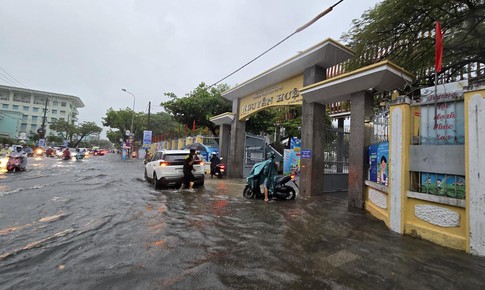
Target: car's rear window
{"type": "Point", "coordinates": [174, 157]}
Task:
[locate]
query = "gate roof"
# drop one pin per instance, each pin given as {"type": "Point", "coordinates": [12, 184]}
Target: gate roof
{"type": "Point", "coordinates": [325, 54]}
{"type": "Point", "coordinates": [380, 76]}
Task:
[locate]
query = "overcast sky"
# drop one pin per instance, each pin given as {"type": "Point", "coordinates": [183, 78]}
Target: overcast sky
{"type": "Point", "coordinates": [94, 48]}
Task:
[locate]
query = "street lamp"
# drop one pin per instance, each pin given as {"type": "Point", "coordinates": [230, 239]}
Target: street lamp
{"type": "Point", "coordinates": [132, 137]}
{"type": "Point", "coordinates": [133, 115]}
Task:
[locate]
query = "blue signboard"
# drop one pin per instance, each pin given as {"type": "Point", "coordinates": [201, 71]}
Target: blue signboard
{"type": "Point", "coordinates": [147, 138]}
{"type": "Point", "coordinates": [41, 142]}
{"type": "Point", "coordinates": [372, 175]}
{"type": "Point", "coordinates": [306, 153]}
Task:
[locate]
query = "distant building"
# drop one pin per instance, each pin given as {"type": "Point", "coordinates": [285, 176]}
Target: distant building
{"type": "Point", "coordinates": [27, 107]}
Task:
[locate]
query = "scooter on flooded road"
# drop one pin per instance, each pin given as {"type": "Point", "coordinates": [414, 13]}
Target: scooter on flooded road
{"type": "Point", "coordinates": [281, 189]}
{"type": "Point", "coordinates": [14, 163]}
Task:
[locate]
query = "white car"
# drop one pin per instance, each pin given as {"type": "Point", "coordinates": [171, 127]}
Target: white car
{"type": "Point", "coordinates": [166, 168]}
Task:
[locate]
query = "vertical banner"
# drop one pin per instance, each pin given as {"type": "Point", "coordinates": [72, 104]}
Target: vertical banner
{"type": "Point", "coordinates": [382, 163]}
{"type": "Point", "coordinates": [147, 139]}
{"type": "Point", "coordinates": [286, 161]}
{"type": "Point", "coordinates": [372, 153]}
{"type": "Point", "coordinates": [291, 159]}
{"type": "Point", "coordinates": [295, 146]}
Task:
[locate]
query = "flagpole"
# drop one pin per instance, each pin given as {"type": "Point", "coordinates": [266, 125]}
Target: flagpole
{"type": "Point", "coordinates": [438, 57]}
{"type": "Point", "coordinates": [436, 104]}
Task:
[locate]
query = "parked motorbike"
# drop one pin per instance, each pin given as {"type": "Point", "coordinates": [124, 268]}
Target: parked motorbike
{"type": "Point", "coordinates": [256, 179]}
{"type": "Point", "coordinates": [14, 163]}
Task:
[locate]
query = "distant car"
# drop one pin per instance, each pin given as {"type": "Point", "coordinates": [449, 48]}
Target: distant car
{"type": "Point", "coordinates": [165, 169]}
{"type": "Point", "coordinates": [29, 151]}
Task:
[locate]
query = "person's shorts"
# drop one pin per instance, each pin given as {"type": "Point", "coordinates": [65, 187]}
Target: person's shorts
{"type": "Point", "coordinates": [266, 182]}
{"type": "Point", "coordinates": [188, 177]}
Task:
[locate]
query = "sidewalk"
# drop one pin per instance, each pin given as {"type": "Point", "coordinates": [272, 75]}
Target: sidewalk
{"type": "Point", "coordinates": [355, 250]}
{"type": "Point", "coordinates": [361, 248]}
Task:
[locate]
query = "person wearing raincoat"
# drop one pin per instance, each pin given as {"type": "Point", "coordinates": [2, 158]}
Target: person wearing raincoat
{"type": "Point", "coordinates": [269, 172]}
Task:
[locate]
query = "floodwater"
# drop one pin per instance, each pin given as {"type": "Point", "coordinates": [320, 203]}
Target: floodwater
{"type": "Point", "coordinates": [96, 224]}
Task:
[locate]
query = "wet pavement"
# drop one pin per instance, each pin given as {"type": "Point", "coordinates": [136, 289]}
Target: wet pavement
{"type": "Point", "coordinates": [96, 224]}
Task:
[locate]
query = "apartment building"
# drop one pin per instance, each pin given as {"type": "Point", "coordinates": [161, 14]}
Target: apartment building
{"type": "Point", "coordinates": [27, 106]}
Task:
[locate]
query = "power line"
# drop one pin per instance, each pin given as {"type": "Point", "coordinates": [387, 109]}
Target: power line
{"type": "Point", "coordinates": [21, 84]}
{"type": "Point", "coordinates": [284, 39]}
{"type": "Point", "coordinates": [6, 80]}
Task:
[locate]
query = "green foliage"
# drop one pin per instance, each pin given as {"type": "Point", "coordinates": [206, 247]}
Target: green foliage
{"type": "Point", "coordinates": [64, 129]}
{"type": "Point", "coordinates": [6, 140]}
{"type": "Point", "coordinates": [261, 122]}
{"type": "Point", "coordinates": [86, 129]}
{"type": "Point", "coordinates": [403, 32]}
{"type": "Point", "coordinates": [55, 140]}
{"type": "Point", "coordinates": [74, 134]}
{"type": "Point", "coordinates": [199, 105]}
{"type": "Point", "coordinates": [120, 122]}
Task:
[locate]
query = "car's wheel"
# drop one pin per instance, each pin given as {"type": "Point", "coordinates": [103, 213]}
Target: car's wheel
{"type": "Point", "coordinates": [156, 183]}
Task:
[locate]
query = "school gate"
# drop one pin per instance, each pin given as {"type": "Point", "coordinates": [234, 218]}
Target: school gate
{"type": "Point", "coordinates": [314, 79]}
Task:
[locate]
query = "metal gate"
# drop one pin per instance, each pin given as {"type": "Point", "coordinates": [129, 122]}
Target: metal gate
{"type": "Point", "coordinates": [336, 160]}
{"type": "Point", "coordinates": [254, 151]}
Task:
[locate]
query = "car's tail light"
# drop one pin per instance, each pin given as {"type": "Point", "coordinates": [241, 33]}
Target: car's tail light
{"type": "Point", "coordinates": [164, 163]}
{"type": "Point", "coordinates": [222, 166]}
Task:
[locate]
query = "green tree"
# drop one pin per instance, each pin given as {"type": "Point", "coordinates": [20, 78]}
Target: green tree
{"type": "Point", "coordinates": [403, 31]}
{"type": "Point", "coordinates": [74, 134]}
{"type": "Point", "coordinates": [86, 129]}
{"type": "Point", "coordinates": [120, 123]}
{"type": "Point", "coordinates": [64, 129]}
{"type": "Point", "coordinates": [198, 106]}
{"type": "Point", "coordinates": [54, 140]}
{"type": "Point", "coordinates": [120, 120]}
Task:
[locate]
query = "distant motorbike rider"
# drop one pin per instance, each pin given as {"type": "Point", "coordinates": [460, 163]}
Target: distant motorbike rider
{"type": "Point", "coordinates": [19, 151]}
{"type": "Point", "coordinates": [269, 171]}
{"type": "Point", "coordinates": [66, 155]}
{"type": "Point", "coordinates": [215, 160]}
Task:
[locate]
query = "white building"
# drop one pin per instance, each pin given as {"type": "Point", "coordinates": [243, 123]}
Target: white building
{"type": "Point", "coordinates": [31, 104]}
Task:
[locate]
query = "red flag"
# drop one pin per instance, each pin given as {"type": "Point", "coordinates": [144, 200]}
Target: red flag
{"type": "Point", "coordinates": [438, 48]}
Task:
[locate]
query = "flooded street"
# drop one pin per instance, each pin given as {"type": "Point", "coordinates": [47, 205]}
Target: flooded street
{"type": "Point", "coordinates": [97, 224]}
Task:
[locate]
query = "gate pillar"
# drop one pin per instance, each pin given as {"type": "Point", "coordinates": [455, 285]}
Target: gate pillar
{"type": "Point", "coordinates": [224, 137]}
{"type": "Point", "coordinates": [312, 138]}
{"type": "Point", "coordinates": [361, 103]}
{"type": "Point", "coordinates": [238, 136]}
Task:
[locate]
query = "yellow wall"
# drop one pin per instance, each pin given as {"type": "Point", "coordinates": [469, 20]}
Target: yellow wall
{"type": "Point", "coordinates": [453, 237]}
{"type": "Point", "coordinates": [375, 210]}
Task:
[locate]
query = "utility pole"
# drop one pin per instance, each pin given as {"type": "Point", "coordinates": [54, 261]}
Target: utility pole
{"type": "Point", "coordinates": [41, 130]}
{"type": "Point", "coordinates": [149, 106]}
